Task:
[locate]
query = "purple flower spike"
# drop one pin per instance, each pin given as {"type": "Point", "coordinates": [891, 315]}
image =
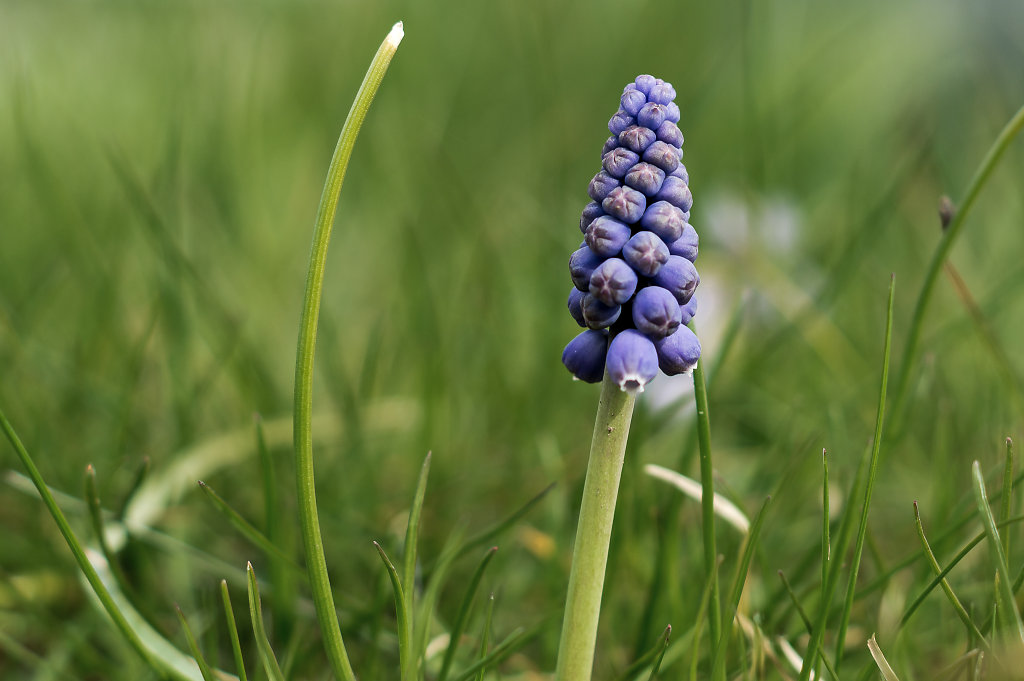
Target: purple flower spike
{"type": "Point", "coordinates": [609, 144]}
{"type": "Point", "coordinates": [632, 101]}
{"type": "Point", "coordinates": [636, 138]}
{"type": "Point", "coordinates": [575, 298]}
{"type": "Point", "coordinates": [656, 313]}
{"type": "Point", "coordinates": [673, 112]}
{"type": "Point", "coordinates": [596, 314]}
{"type": "Point", "coordinates": [681, 173]}
{"type": "Point", "coordinates": [582, 264]}
{"type": "Point", "coordinates": [662, 93]}
{"type": "Point", "coordinates": [632, 360]}
{"type": "Point", "coordinates": [606, 236]}
{"type": "Point", "coordinates": [584, 356]}
{"type": "Point", "coordinates": [645, 253]}
{"type": "Point", "coordinates": [679, 276]}
{"type": "Point", "coordinates": [686, 245]}
{"type": "Point", "coordinates": [652, 115]}
{"type": "Point", "coordinates": [620, 121]}
{"type": "Point", "coordinates": [664, 219]}
{"type": "Point", "coordinates": [669, 133]}
{"type": "Point", "coordinates": [663, 155]}
{"type": "Point", "coordinates": [644, 83]}
{"type": "Point", "coordinates": [618, 161]}
{"type": "Point", "coordinates": [688, 311]}
{"type": "Point", "coordinates": [625, 204]}
{"type": "Point", "coordinates": [678, 354]}
{"type": "Point", "coordinates": [591, 212]}
{"type": "Point", "coordinates": [601, 185]}
{"type": "Point", "coordinates": [645, 178]}
{"type": "Point", "coordinates": [675, 191]}
{"type": "Point", "coordinates": [613, 282]}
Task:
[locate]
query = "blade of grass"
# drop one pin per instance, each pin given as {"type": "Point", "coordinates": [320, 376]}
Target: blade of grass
{"type": "Point", "coordinates": [193, 646]}
{"type": "Point", "coordinates": [485, 639]}
{"type": "Point", "coordinates": [661, 655]}
{"type": "Point", "coordinates": [876, 446]}
{"type": "Point", "coordinates": [510, 644]}
{"type": "Point", "coordinates": [92, 501]}
{"type": "Point", "coordinates": [657, 651]}
{"type": "Point", "coordinates": [229, 615]}
{"type": "Point", "coordinates": [316, 562]}
{"type": "Point", "coordinates": [883, 665]}
{"type": "Point", "coordinates": [140, 477]}
{"type": "Point", "coordinates": [267, 656]}
{"type": "Point", "coordinates": [488, 535]}
{"type": "Point", "coordinates": [707, 481]}
{"type": "Point", "coordinates": [412, 531]}
{"type": "Point", "coordinates": [247, 529]}
{"type": "Point", "coordinates": [825, 545]}
{"type": "Point", "coordinates": [1007, 500]}
{"type": "Point", "coordinates": [403, 613]}
{"type": "Point", "coordinates": [807, 622]}
{"type": "Point", "coordinates": [463, 615]}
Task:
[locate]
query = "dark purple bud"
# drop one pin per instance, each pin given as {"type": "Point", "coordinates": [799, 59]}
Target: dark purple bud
{"type": "Point", "coordinates": [664, 219]}
{"type": "Point", "coordinates": [591, 212]}
{"type": "Point", "coordinates": [655, 312]}
{"type": "Point", "coordinates": [676, 192]}
{"type": "Point", "coordinates": [651, 115]}
{"type": "Point", "coordinates": [673, 112]}
{"type": "Point", "coordinates": [686, 245]}
{"type": "Point", "coordinates": [618, 161]}
{"type": "Point", "coordinates": [632, 360]}
{"type": "Point", "coordinates": [620, 121]}
{"type": "Point", "coordinates": [645, 178]}
{"type": "Point", "coordinates": [644, 83]}
{"type": "Point", "coordinates": [645, 253]}
{"type": "Point", "coordinates": [606, 236]}
{"type": "Point", "coordinates": [662, 93]}
{"type": "Point", "coordinates": [596, 314]}
{"type": "Point", "coordinates": [625, 204]}
{"type": "Point", "coordinates": [582, 264]}
{"type": "Point", "coordinates": [688, 311]}
{"type": "Point", "coordinates": [678, 354]}
{"type": "Point", "coordinates": [669, 133]}
{"type": "Point", "coordinates": [637, 138]}
{"type": "Point", "coordinates": [613, 281]}
{"type": "Point", "coordinates": [681, 173]}
{"type": "Point", "coordinates": [575, 298]}
{"type": "Point", "coordinates": [663, 155]}
{"type": "Point", "coordinates": [601, 185]}
{"type": "Point", "coordinates": [632, 101]}
{"type": "Point", "coordinates": [678, 275]}
{"type": "Point", "coordinates": [609, 144]}
{"type": "Point", "coordinates": [584, 356]}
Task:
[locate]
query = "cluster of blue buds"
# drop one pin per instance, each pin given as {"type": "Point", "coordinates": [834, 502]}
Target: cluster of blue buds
{"type": "Point", "coordinates": [633, 276]}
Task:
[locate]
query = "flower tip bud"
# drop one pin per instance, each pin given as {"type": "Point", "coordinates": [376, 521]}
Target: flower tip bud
{"type": "Point", "coordinates": [632, 360]}
{"type": "Point", "coordinates": [396, 34]}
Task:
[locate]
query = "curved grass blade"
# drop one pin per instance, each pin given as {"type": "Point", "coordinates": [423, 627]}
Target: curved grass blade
{"type": "Point", "coordinates": [404, 616]}
{"type": "Point", "coordinates": [661, 655]}
{"type": "Point", "coordinates": [204, 667]}
{"type": "Point", "coordinates": [267, 656]}
{"type": "Point", "coordinates": [707, 481]}
{"type": "Point", "coordinates": [412, 531]}
{"type": "Point", "coordinates": [463, 615]}
{"type": "Point", "coordinates": [229, 615]}
{"type": "Point", "coordinates": [140, 477]}
{"type": "Point", "coordinates": [485, 640]}
{"type": "Point", "coordinates": [488, 535]}
{"type": "Point", "coordinates": [1007, 500]}
{"type": "Point", "coordinates": [883, 665]}
{"type": "Point", "coordinates": [92, 502]}
{"type": "Point", "coordinates": [654, 655]}
{"type": "Point", "coordinates": [510, 644]}
{"type": "Point", "coordinates": [725, 509]}
{"type": "Point", "coordinates": [425, 613]}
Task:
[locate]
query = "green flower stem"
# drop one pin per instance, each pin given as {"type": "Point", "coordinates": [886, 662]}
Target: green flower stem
{"type": "Point", "coordinates": [981, 175]}
{"type": "Point", "coordinates": [707, 482]}
{"type": "Point", "coordinates": [590, 552]}
{"type": "Point", "coordinates": [316, 563]}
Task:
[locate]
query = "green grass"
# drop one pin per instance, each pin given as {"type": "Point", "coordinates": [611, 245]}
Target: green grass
{"type": "Point", "coordinates": [159, 177]}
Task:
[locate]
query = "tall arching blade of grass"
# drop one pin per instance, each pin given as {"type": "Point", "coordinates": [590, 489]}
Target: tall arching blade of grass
{"type": "Point", "coordinates": [707, 481]}
{"type": "Point", "coordinates": [316, 562]}
{"type": "Point", "coordinates": [267, 657]}
{"type": "Point", "coordinates": [981, 175]}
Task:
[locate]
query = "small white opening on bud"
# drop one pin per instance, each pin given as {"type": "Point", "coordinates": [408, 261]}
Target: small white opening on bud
{"type": "Point", "coordinates": [396, 34]}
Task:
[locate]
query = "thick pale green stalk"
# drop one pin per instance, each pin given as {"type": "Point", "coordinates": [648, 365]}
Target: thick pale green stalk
{"type": "Point", "coordinates": [316, 563]}
{"type": "Point", "coordinates": [590, 552]}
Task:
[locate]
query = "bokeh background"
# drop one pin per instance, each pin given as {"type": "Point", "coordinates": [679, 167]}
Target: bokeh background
{"type": "Point", "coordinates": [160, 168]}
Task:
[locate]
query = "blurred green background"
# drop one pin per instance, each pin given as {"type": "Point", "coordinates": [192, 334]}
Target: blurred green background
{"type": "Point", "coordinates": [160, 168]}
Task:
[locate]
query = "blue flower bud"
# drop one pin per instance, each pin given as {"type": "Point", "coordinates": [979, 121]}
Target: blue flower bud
{"type": "Point", "coordinates": [678, 275]}
{"type": "Point", "coordinates": [661, 93]}
{"type": "Point", "coordinates": [601, 185]}
{"type": "Point", "coordinates": [663, 155]}
{"type": "Point", "coordinates": [664, 219]}
{"type": "Point", "coordinates": [574, 305]}
{"type": "Point", "coordinates": [606, 236]}
{"type": "Point", "coordinates": [620, 121]}
{"type": "Point", "coordinates": [669, 133]}
{"type": "Point", "coordinates": [651, 115]}
{"type": "Point", "coordinates": [584, 356]}
{"type": "Point", "coordinates": [596, 314]}
{"type": "Point", "coordinates": [618, 161]}
{"type": "Point", "coordinates": [688, 311]}
{"type": "Point", "coordinates": [632, 360]}
{"type": "Point", "coordinates": [673, 112]}
{"type": "Point", "coordinates": [681, 173]}
{"type": "Point", "coordinates": [637, 138]}
{"type": "Point", "coordinates": [644, 83]}
{"type": "Point", "coordinates": [591, 212]}
{"type": "Point", "coordinates": [645, 178]}
{"type": "Point", "coordinates": [582, 264]}
{"type": "Point", "coordinates": [675, 191]}
{"type": "Point", "coordinates": [656, 313]}
{"type": "Point", "coordinates": [625, 204]}
{"type": "Point", "coordinates": [613, 282]}
{"type": "Point", "coordinates": [609, 144]}
{"type": "Point", "coordinates": [678, 353]}
{"type": "Point", "coordinates": [686, 245]}
{"type": "Point", "coordinates": [632, 101]}
{"type": "Point", "coordinates": [645, 253]}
